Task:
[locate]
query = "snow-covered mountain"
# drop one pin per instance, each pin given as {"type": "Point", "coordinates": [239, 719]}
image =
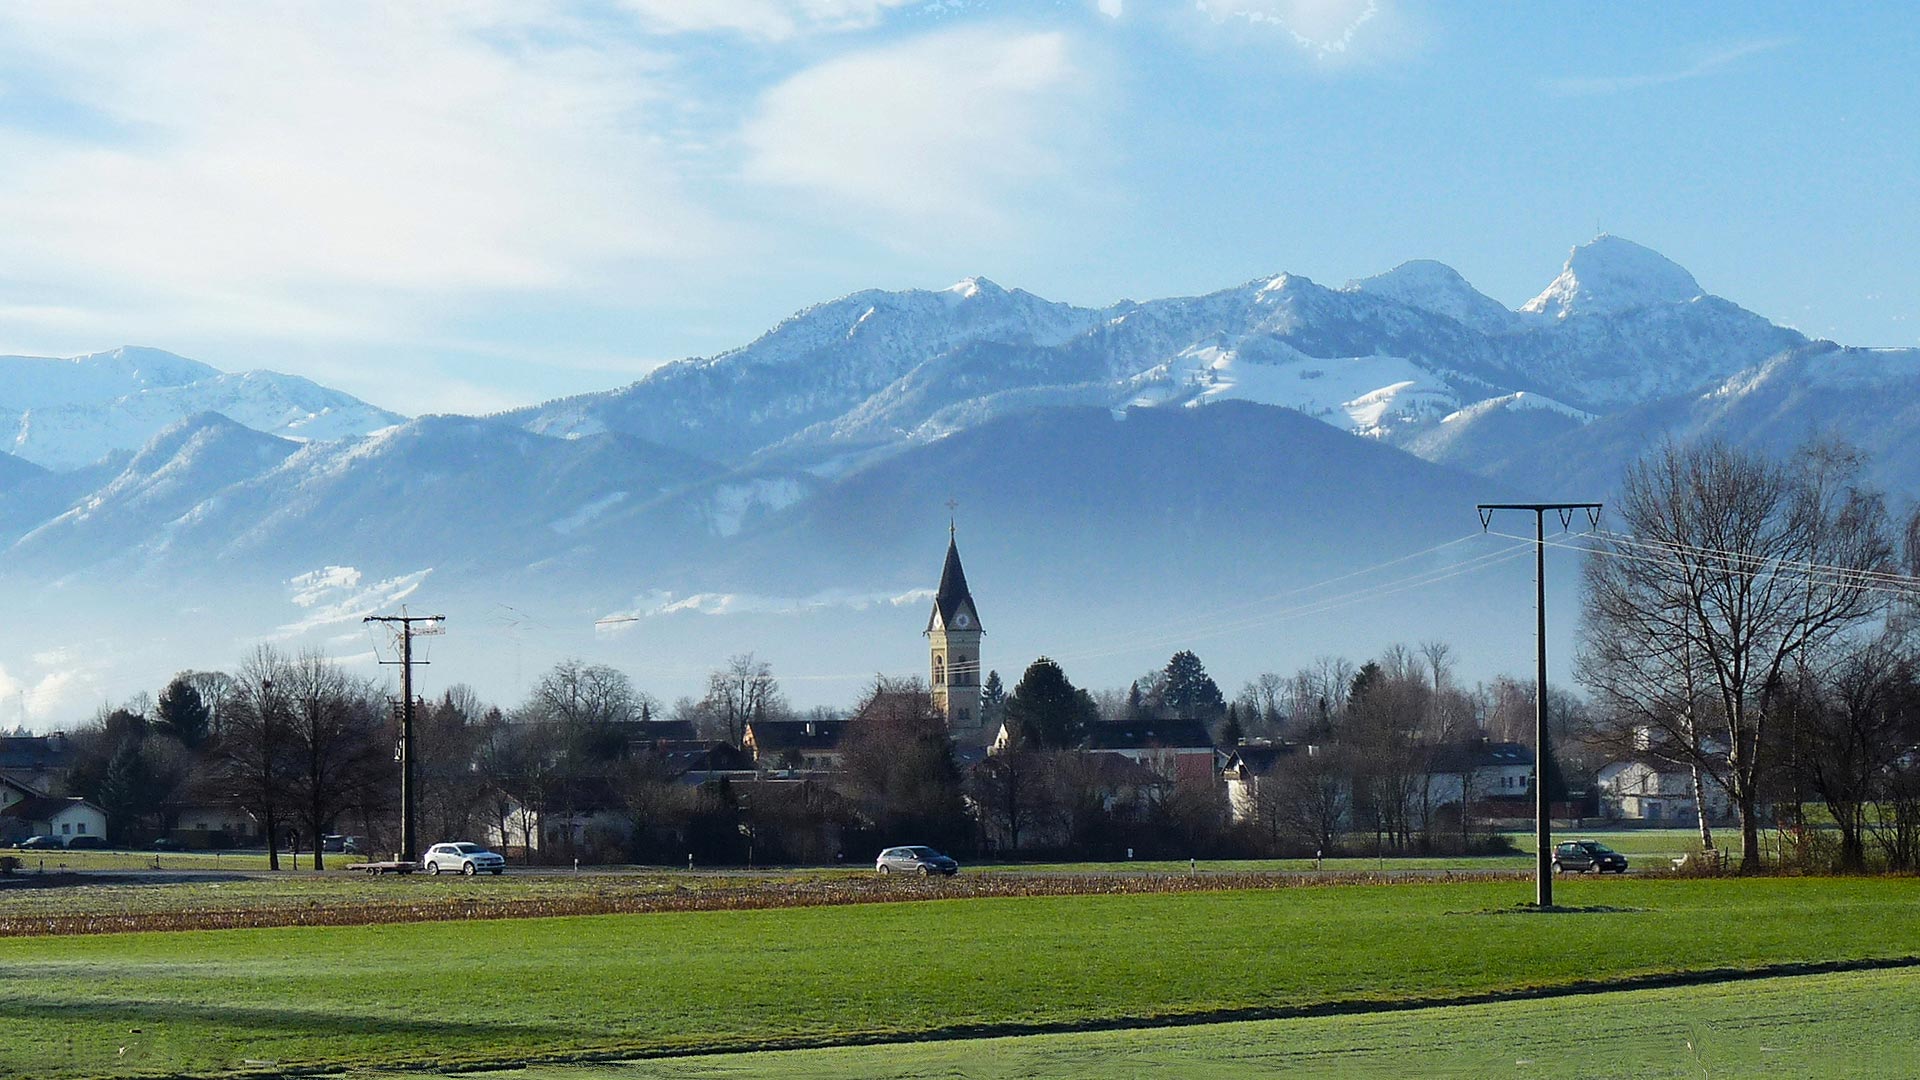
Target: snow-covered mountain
{"type": "Point", "coordinates": [65, 413]}
{"type": "Point", "coordinates": [1398, 357]}
{"type": "Point", "coordinates": [1867, 397]}
{"type": "Point", "coordinates": [1119, 468]}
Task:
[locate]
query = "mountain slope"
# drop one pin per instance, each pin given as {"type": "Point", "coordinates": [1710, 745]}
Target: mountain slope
{"type": "Point", "coordinates": [1868, 397]}
{"type": "Point", "coordinates": [63, 414]}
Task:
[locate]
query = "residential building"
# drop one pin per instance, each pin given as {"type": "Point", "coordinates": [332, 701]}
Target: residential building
{"type": "Point", "coordinates": [1649, 790]}
{"type": "Point", "coordinates": [47, 815]}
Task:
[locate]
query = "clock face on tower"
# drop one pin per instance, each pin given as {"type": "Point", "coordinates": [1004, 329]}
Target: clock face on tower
{"type": "Point", "coordinates": [962, 621]}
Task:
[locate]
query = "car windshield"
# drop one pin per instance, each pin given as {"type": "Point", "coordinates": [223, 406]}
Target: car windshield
{"type": "Point", "coordinates": [468, 849]}
{"type": "Point", "coordinates": [1598, 849]}
{"type": "Point", "coordinates": [923, 853]}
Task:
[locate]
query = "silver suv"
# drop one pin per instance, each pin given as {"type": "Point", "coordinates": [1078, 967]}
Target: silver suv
{"type": "Point", "coordinates": [467, 858]}
{"type": "Point", "coordinates": [915, 860]}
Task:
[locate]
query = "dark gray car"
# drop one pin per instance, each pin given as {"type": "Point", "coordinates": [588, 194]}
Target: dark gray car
{"type": "Point", "coordinates": [1588, 856]}
{"type": "Point", "coordinates": [915, 860]}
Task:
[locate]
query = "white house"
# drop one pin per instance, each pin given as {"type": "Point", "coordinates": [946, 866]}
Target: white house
{"type": "Point", "coordinates": [1484, 770]}
{"type": "Point", "coordinates": [1655, 792]}
{"type": "Point", "coordinates": [45, 815]}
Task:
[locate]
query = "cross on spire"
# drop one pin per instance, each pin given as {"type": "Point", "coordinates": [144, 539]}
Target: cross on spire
{"type": "Point", "coordinates": [951, 507]}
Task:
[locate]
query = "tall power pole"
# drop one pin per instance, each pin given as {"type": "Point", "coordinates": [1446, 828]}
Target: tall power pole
{"type": "Point", "coordinates": [409, 842]}
{"type": "Point", "coordinates": [1542, 803]}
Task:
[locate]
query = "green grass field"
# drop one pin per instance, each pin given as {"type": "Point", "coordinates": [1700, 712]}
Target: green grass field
{"type": "Point", "coordinates": [473, 992]}
{"type": "Point", "coordinates": [1856, 1024]}
{"type": "Point", "coordinates": [55, 861]}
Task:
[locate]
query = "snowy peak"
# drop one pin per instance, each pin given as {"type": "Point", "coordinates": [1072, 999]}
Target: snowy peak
{"type": "Point", "coordinates": [1437, 288]}
{"type": "Point", "coordinates": [969, 288]}
{"type": "Point", "coordinates": [1611, 275]}
{"type": "Point", "coordinates": [63, 414]}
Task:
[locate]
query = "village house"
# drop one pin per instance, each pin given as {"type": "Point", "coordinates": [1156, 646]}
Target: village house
{"type": "Point", "coordinates": [26, 811]}
{"type": "Point", "coordinates": [1179, 750]}
{"type": "Point", "coordinates": [796, 745]}
{"type": "Point", "coordinates": [1249, 770]}
{"type": "Point", "coordinates": [39, 761]}
{"type": "Point", "coordinates": [1647, 790]}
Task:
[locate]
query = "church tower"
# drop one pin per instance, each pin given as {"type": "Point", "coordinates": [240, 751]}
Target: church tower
{"type": "Point", "coordinates": [953, 633]}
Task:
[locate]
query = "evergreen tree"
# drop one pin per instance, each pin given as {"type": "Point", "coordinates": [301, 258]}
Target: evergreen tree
{"type": "Point", "coordinates": [993, 699]}
{"type": "Point", "coordinates": [183, 713]}
{"type": "Point", "coordinates": [127, 793]}
{"type": "Point", "coordinates": [1190, 691]}
{"type": "Point", "coordinates": [1364, 680]}
{"type": "Point", "coordinates": [1231, 731]}
{"type": "Point", "coordinates": [1135, 707]}
{"type": "Point", "coordinates": [1047, 710]}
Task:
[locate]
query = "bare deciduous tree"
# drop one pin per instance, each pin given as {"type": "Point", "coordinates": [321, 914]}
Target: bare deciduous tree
{"type": "Point", "coordinates": [1730, 567]}
{"type": "Point", "coordinates": [740, 693]}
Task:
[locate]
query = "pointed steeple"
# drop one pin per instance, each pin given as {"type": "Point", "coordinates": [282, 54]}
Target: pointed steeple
{"type": "Point", "coordinates": [953, 599]}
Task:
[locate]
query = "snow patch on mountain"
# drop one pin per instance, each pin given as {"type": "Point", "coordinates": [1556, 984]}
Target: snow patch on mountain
{"type": "Point", "coordinates": [1517, 402]}
{"type": "Point", "coordinates": [1611, 275]}
{"type": "Point", "coordinates": [731, 505]}
{"type": "Point", "coordinates": [587, 514]}
{"type": "Point", "coordinates": [337, 594]}
{"type": "Point", "coordinates": [1367, 395]}
{"type": "Point", "coordinates": [311, 588]}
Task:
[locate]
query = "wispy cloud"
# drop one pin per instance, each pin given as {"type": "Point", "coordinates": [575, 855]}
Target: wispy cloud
{"type": "Point", "coordinates": [940, 130]}
{"type": "Point", "coordinates": [1326, 27]}
{"type": "Point", "coordinates": [283, 168]}
{"type": "Point", "coordinates": [771, 20]}
{"type": "Point", "coordinates": [1706, 65]}
{"type": "Point", "coordinates": [662, 604]}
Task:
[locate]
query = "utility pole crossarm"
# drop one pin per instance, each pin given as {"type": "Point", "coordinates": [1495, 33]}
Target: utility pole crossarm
{"type": "Point", "coordinates": [1542, 804]}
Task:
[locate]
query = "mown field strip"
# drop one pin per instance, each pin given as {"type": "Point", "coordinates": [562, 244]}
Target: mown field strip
{"type": "Point", "coordinates": [491, 992]}
{"type": "Point", "coordinates": [1833, 1025]}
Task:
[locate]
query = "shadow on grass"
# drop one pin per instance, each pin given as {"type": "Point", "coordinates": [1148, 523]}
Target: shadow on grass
{"type": "Point", "coordinates": [1556, 909]}
{"type": "Point", "coordinates": [289, 1020]}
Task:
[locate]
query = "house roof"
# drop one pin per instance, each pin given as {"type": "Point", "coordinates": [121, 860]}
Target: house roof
{"type": "Point", "coordinates": [1487, 755]}
{"type": "Point", "coordinates": [1113, 771]}
{"type": "Point", "coordinates": [32, 752]}
{"type": "Point", "coordinates": [707, 758]}
{"type": "Point", "coordinates": [773, 736]}
{"type": "Point", "coordinates": [658, 731]}
{"type": "Point", "coordinates": [20, 786]}
{"type": "Point", "coordinates": [1260, 758]}
{"type": "Point", "coordinates": [45, 807]}
{"type": "Point", "coordinates": [1150, 735]}
{"type": "Point", "coordinates": [953, 596]}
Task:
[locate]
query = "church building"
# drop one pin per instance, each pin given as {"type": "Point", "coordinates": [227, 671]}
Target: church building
{"type": "Point", "coordinates": [953, 631]}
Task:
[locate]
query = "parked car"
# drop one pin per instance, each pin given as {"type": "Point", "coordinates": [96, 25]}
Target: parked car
{"type": "Point", "coordinates": [333, 843]}
{"type": "Point", "coordinates": [166, 843]}
{"type": "Point", "coordinates": [40, 843]}
{"type": "Point", "coordinates": [465, 857]}
{"type": "Point", "coordinates": [915, 860]}
{"type": "Point", "coordinates": [86, 843]}
{"type": "Point", "coordinates": [1588, 856]}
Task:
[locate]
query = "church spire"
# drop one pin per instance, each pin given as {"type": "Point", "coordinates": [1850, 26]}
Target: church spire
{"type": "Point", "coordinates": [953, 598]}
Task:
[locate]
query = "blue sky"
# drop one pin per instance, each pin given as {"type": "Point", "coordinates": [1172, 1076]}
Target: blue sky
{"type": "Point", "coordinates": [469, 206]}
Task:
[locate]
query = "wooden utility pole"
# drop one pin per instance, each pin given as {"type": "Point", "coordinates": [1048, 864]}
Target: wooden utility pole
{"type": "Point", "coordinates": [409, 842]}
{"type": "Point", "coordinates": [1542, 804]}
